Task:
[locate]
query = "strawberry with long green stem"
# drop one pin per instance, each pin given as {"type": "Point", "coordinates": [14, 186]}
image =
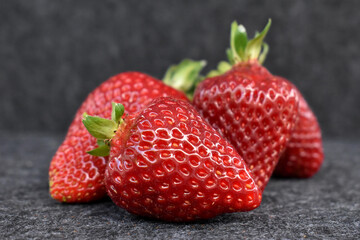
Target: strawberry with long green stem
{"type": "Point", "coordinates": [253, 109]}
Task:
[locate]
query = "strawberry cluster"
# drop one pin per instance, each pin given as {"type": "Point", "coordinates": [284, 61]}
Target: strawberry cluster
{"type": "Point", "coordinates": [189, 147]}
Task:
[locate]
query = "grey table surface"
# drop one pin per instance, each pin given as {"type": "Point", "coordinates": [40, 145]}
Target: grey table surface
{"type": "Point", "coordinates": [326, 206]}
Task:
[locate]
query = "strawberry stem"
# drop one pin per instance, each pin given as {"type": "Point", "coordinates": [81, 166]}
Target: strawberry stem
{"type": "Point", "coordinates": [244, 50]}
{"type": "Point", "coordinates": [184, 76]}
{"type": "Point", "coordinates": [117, 112]}
{"type": "Point", "coordinates": [103, 129]}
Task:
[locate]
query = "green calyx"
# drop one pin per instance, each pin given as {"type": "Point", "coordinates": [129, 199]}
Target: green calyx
{"type": "Point", "coordinates": [243, 49]}
{"type": "Point", "coordinates": [103, 129]}
{"type": "Point", "coordinates": [185, 76]}
{"type": "Point", "coordinates": [222, 67]}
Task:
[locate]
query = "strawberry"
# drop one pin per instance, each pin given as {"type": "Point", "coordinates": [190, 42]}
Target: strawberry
{"type": "Point", "coordinates": [74, 175]}
{"type": "Point", "coordinates": [304, 153]}
{"type": "Point", "coordinates": [168, 163]}
{"type": "Point", "coordinates": [253, 109]}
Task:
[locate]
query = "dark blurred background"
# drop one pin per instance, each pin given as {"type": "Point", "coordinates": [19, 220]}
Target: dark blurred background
{"type": "Point", "coordinates": [53, 53]}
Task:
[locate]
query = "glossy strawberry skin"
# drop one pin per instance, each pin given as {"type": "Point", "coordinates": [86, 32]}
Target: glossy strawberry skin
{"type": "Point", "coordinates": [304, 154]}
{"type": "Point", "coordinates": [74, 175]}
{"type": "Point", "coordinates": [254, 110]}
{"type": "Point", "coordinates": [172, 165]}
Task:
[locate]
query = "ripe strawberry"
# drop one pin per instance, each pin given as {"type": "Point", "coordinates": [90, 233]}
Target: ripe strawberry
{"type": "Point", "coordinates": [253, 109]}
{"type": "Point", "coordinates": [76, 176]}
{"type": "Point", "coordinates": [304, 153]}
{"type": "Point", "coordinates": [168, 163]}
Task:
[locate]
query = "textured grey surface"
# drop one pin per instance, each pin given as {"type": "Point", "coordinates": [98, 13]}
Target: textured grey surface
{"type": "Point", "coordinates": [53, 53]}
{"type": "Point", "coordinates": [326, 206]}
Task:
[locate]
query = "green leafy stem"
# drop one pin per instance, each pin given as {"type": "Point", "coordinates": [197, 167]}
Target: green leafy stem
{"type": "Point", "coordinates": [104, 129]}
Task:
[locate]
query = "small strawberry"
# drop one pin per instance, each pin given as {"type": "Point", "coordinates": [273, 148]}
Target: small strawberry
{"type": "Point", "coordinates": [304, 152]}
{"type": "Point", "coordinates": [76, 176]}
{"type": "Point", "coordinates": [168, 163]}
{"type": "Point", "coordinates": [253, 109]}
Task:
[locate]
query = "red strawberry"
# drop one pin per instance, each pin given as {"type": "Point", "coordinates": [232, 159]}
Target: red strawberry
{"type": "Point", "coordinates": [304, 153]}
{"type": "Point", "coordinates": [76, 176]}
{"type": "Point", "coordinates": [168, 163]}
{"type": "Point", "coordinates": [253, 109]}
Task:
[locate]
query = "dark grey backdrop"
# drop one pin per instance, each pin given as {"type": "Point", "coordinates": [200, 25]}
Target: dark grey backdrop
{"type": "Point", "coordinates": [53, 53]}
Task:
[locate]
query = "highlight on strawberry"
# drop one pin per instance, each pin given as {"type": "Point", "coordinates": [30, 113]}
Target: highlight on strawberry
{"type": "Point", "coordinates": [166, 162]}
{"type": "Point", "coordinates": [74, 175]}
